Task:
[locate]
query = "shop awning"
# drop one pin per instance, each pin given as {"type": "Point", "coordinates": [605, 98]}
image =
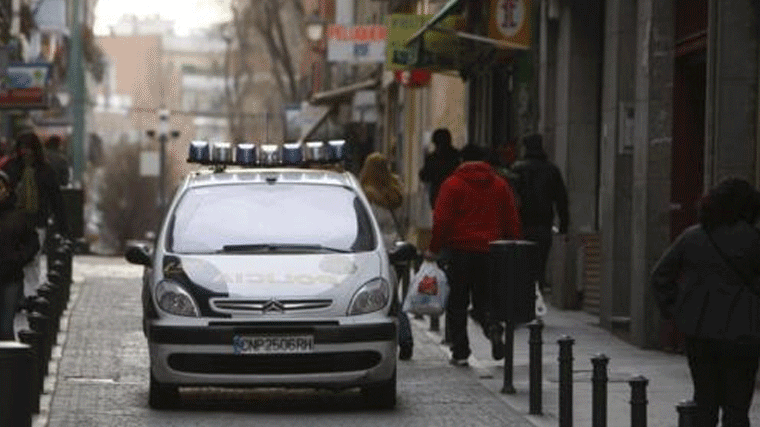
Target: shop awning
{"type": "Point", "coordinates": [445, 11]}
{"type": "Point", "coordinates": [344, 93]}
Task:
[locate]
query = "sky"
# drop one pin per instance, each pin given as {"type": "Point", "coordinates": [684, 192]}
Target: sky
{"type": "Point", "coordinates": [186, 14]}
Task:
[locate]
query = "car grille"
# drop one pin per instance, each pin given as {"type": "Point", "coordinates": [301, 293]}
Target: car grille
{"type": "Point", "coordinates": [313, 363]}
{"type": "Point", "coordinates": [228, 305]}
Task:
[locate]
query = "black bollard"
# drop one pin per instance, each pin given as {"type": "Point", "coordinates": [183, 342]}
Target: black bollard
{"type": "Point", "coordinates": [32, 339]}
{"type": "Point", "coordinates": [638, 401]}
{"type": "Point", "coordinates": [535, 343]}
{"type": "Point", "coordinates": [15, 390]}
{"type": "Point", "coordinates": [687, 413]}
{"type": "Point", "coordinates": [599, 391]}
{"type": "Point", "coordinates": [509, 349]}
{"type": "Point", "coordinates": [41, 324]}
{"type": "Point", "coordinates": [566, 381]}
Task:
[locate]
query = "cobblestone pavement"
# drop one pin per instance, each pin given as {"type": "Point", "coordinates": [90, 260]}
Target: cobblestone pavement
{"type": "Point", "coordinates": [100, 377]}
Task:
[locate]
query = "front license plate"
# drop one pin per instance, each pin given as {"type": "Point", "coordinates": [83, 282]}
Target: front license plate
{"type": "Point", "coordinates": [272, 344]}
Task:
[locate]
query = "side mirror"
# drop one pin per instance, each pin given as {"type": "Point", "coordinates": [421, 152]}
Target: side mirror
{"type": "Point", "coordinates": [402, 252]}
{"type": "Point", "coordinates": [138, 254]}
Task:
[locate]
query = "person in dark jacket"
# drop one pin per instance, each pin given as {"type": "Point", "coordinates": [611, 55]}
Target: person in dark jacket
{"type": "Point", "coordinates": [57, 159]}
{"type": "Point", "coordinates": [38, 193]}
{"type": "Point", "coordinates": [18, 245]}
{"type": "Point", "coordinates": [439, 164]}
{"type": "Point", "coordinates": [542, 196]}
{"type": "Point", "coordinates": [698, 283]}
{"type": "Point", "coordinates": [474, 208]}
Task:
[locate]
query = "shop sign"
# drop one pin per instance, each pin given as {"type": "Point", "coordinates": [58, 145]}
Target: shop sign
{"type": "Point", "coordinates": [356, 44]}
{"type": "Point", "coordinates": [413, 78]}
{"type": "Point", "coordinates": [25, 86]}
{"type": "Point", "coordinates": [401, 26]}
{"type": "Point", "coordinates": [511, 22]}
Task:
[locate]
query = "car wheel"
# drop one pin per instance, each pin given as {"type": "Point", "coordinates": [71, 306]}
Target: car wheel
{"type": "Point", "coordinates": [162, 396]}
{"type": "Point", "coordinates": [381, 395]}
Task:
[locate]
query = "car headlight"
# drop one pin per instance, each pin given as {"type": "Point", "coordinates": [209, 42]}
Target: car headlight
{"type": "Point", "coordinates": [372, 296]}
{"type": "Point", "coordinates": [174, 299]}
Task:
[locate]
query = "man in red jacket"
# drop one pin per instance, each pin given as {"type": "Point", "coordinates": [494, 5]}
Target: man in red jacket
{"type": "Point", "coordinates": [474, 207]}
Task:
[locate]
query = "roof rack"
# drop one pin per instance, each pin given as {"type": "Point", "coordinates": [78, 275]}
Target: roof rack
{"type": "Point", "coordinates": [309, 154]}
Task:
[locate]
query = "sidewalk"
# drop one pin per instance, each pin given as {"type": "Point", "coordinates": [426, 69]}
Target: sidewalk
{"type": "Point", "coordinates": [668, 374]}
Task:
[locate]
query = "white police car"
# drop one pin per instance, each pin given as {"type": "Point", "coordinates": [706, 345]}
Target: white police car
{"type": "Point", "coordinates": [274, 275]}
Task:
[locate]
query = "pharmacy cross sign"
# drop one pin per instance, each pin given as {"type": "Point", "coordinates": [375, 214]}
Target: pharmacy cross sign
{"type": "Point", "coordinates": [509, 16]}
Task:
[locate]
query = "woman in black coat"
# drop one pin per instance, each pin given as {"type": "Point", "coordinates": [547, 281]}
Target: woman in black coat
{"type": "Point", "coordinates": [707, 282]}
{"type": "Point", "coordinates": [18, 245]}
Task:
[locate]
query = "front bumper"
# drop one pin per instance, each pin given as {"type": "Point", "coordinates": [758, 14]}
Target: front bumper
{"type": "Point", "coordinates": [344, 355]}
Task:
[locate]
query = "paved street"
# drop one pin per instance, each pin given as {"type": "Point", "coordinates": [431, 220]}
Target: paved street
{"type": "Point", "coordinates": [102, 376]}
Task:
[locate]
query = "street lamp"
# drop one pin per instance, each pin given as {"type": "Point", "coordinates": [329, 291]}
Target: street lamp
{"type": "Point", "coordinates": [315, 30]}
{"type": "Point", "coordinates": [163, 138]}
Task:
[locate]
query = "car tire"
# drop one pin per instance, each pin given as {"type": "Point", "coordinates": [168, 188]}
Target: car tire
{"type": "Point", "coordinates": [381, 395]}
{"type": "Point", "coordinates": [162, 396]}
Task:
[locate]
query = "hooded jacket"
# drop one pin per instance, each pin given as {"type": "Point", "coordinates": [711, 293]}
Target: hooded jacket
{"type": "Point", "coordinates": [474, 208]}
{"type": "Point", "coordinates": [18, 242]}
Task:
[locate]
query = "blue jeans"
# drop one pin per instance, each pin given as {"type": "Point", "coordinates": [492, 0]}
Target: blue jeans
{"type": "Point", "coordinates": [10, 294]}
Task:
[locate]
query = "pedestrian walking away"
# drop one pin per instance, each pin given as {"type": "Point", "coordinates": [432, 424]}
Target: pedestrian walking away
{"type": "Point", "coordinates": [38, 193]}
{"type": "Point", "coordinates": [57, 159]}
{"type": "Point", "coordinates": [708, 282]}
{"type": "Point", "coordinates": [383, 190]}
{"type": "Point", "coordinates": [439, 164]}
{"type": "Point", "coordinates": [542, 196]}
{"type": "Point", "coordinates": [18, 245]}
{"type": "Point", "coordinates": [474, 207]}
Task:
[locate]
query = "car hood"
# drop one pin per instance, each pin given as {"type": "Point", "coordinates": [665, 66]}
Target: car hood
{"type": "Point", "coordinates": [334, 277]}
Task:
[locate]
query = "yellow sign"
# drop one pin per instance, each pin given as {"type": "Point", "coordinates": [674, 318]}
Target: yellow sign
{"type": "Point", "coordinates": [511, 21]}
{"type": "Point", "coordinates": [401, 26]}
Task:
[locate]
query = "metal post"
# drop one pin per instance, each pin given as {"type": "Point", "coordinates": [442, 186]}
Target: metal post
{"type": "Point", "coordinates": [509, 348]}
{"type": "Point", "coordinates": [638, 401]}
{"type": "Point", "coordinates": [599, 392]}
{"type": "Point", "coordinates": [41, 325]}
{"type": "Point", "coordinates": [15, 389]}
{"type": "Point", "coordinates": [32, 339]}
{"type": "Point", "coordinates": [687, 413]}
{"type": "Point", "coordinates": [565, 381]}
{"type": "Point", "coordinates": [78, 91]}
{"type": "Point", "coordinates": [536, 367]}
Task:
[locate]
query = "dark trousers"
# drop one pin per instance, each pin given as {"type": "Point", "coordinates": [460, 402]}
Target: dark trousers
{"type": "Point", "coordinates": [10, 295]}
{"type": "Point", "coordinates": [468, 282]}
{"type": "Point", "coordinates": [723, 373]}
{"type": "Point", "coordinates": [404, 327]}
{"type": "Point", "coordinates": [542, 236]}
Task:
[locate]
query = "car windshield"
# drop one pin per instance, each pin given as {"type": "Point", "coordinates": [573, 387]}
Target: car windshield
{"type": "Point", "coordinates": [264, 218]}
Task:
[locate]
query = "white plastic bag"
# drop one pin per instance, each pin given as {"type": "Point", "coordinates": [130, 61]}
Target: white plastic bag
{"type": "Point", "coordinates": [428, 291]}
{"type": "Point", "coordinates": [540, 304]}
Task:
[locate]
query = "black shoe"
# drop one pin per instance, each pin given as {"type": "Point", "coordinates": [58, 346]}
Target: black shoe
{"type": "Point", "coordinates": [459, 362]}
{"type": "Point", "coordinates": [497, 343]}
{"type": "Point", "coordinates": [405, 352]}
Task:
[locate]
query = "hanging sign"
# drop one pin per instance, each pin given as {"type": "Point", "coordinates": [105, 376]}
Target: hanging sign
{"type": "Point", "coordinates": [511, 22]}
{"type": "Point", "coordinates": [413, 78]}
{"type": "Point", "coordinates": [358, 43]}
{"type": "Point", "coordinates": [25, 86]}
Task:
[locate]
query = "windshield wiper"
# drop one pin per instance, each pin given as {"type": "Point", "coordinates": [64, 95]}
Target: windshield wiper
{"type": "Point", "coordinates": [277, 247]}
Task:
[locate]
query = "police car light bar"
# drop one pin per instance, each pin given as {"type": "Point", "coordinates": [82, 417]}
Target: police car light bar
{"type": "Point", "coordinates": [292, 154]}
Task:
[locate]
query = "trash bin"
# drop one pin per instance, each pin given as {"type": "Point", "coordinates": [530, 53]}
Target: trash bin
{"type": "Point", "coordinates": [16, 364]}
{"type": "Point", "coordinates": [513, 271]}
